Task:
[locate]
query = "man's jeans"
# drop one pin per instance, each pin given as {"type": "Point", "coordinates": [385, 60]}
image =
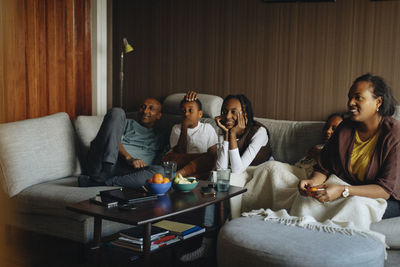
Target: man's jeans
{"type": "Point", "coordinates": [105, 148]}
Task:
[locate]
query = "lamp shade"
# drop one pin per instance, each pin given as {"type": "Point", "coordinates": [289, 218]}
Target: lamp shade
{"type": "Point", "coordinates": [128, 48]}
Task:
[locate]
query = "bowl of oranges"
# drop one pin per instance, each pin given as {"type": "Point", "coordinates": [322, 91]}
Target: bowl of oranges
{"type": "Point", "coordinates": [158, 184]}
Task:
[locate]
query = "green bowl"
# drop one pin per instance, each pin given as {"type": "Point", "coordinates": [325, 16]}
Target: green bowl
{"type": "Point", "coordinates": [185, 187]}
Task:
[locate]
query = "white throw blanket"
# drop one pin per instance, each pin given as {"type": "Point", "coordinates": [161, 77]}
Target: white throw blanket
{"type": "Point", "coordinates": [274, 187]}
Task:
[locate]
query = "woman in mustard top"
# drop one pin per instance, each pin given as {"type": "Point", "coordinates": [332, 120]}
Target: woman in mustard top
{"type": "Point", "coordinates": [364, 151]}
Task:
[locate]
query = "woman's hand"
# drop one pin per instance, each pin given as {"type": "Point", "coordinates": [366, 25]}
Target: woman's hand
{"type": "Point", "coordinates": [316, 179]}
{"type": "Point", "coordinates": [191, 96]}
{"type": "Point", "coordinates": [331, 192]}
{"type": "Point", "coordinates": [303, 185]}
{"type": "Point", "coordinates": [220, 125]}
{"type": "Point", "coordinates": [240, 125]}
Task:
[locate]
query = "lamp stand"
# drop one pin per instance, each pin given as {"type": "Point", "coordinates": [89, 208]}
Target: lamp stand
{"type": "Point", "coordinates": [121, 80]}
{"type": "Point", "coordinates": [126, 49]}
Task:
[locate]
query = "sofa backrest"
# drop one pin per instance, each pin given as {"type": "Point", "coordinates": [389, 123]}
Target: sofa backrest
{"type": "Point", "coordinates": [86, 128]}
{"type": "Point", "coordinates": [211, 104]}
{"type": "Point", "coordinates": [171, 113]}
{"type": "Point", "coordinates": [35, 151]}
{"type": "Point", "coordinates": [291, 140]}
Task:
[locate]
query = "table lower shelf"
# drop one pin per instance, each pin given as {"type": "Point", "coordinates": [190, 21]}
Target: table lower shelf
{"type": "Point", "coordinates": [106, 252]}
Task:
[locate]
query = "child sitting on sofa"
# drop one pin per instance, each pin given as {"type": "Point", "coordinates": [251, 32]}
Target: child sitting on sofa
{"type": "Point", "coordinates": [307, 163]}
{"type": "Point", "coordinates": [193, 143]}
{"type": "Point", "coordinates": [244, 142]}
{"type": "Point", "coordinates": [256, 196]}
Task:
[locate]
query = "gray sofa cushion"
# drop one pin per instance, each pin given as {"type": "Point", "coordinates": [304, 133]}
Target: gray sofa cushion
{"type": "Point", "coordinates": [396, 114]}
{"type": "Point", "coordinates": [86, 128]}
{"type": "Point", "coordinates": [291, 140]}
{"type": "Point", "coordinates": [391, 229]}
{"type": "Point", "coordinates": [52, 197]}
{"type": "Point", "coordinates": [35, 151]}
{"type": "Point", "coordinates": [254, 242]}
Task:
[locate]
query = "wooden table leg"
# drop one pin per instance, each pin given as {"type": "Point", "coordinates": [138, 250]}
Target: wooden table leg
{"type": "Point", "coordinates": [97, 231]}
{"type": "Point", "coordinates": [221, 214]}
{"type": "Point", "coordinates": [95, 257]}
{"type": "Point", "coordinates": [146, 244]}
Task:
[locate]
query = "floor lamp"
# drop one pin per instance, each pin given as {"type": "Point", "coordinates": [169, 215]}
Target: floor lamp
{"type": "Point", "coordinates": [125, 50]}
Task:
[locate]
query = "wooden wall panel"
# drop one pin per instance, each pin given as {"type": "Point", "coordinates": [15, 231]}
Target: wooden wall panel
{"type": "Point", "coordinates": [294, 61]}
{"type": "Point", "coordinates": [2, 70]}
{"type": "Point", "coordinates": [45, 59]}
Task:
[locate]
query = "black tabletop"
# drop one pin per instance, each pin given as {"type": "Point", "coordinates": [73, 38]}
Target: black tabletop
{"type": "Point", "coordinates": [170, 204]}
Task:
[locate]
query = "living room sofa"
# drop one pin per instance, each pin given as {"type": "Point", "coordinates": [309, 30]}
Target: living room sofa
{"type": "Point", "coordinates": [242, 241]}
{"type": "Point", "coordinates": [41, 158]}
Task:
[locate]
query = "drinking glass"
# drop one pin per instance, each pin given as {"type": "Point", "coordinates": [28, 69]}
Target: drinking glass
{"type": "Point", "coordinates": [170, 169]}
{"type": "Point", "coordinates": [223, 180]}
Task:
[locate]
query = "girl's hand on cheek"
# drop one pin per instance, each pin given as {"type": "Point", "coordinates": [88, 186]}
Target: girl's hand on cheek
{"type": "Point", "coordinates": [220, 125]}
{"type": "Point", "coordinates": [240, 125]}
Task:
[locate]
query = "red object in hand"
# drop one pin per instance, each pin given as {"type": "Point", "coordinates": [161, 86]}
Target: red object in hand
{"type": "Point", "coordinates": [312, 190]}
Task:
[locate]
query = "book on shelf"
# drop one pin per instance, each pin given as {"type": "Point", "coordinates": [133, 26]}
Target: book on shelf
{"type": "Point", "coordinates": [109, 203]}
{"type": "Point", "coordinates": [197, 232]}
{"type": "Point", "coordinates": [136, 233]}
{"type": "Point", "coordinates": [183, 230]}
{"type": "Point", "coordinates": [139, 247]}
{"type": "Point", "coordinates": [155, 241]}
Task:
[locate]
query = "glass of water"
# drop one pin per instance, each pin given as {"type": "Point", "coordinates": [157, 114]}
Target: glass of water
{"type": "Point", "coordinates": [223, 179]}
{"type": "Point", "coordinates": [170, 169]}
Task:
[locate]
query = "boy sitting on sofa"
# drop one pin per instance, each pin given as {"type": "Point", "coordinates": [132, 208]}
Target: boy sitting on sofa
{"type": "Point", "coordinates": [193, 143]}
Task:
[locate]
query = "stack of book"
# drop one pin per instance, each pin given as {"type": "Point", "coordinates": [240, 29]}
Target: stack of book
{"type": "Point", "coordinates": [132, 238]}
{"type": "Point", "coordinates": [182, 230]}
{"type": "Point", "coordinates": [109, 203]}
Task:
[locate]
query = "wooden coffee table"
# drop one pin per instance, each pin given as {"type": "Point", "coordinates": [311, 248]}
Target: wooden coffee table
{"type": "Point", "coordinates": [171, 204]}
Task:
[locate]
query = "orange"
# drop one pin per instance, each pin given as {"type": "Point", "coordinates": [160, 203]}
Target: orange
{"type": "Point", "coordinates": [166, 180]}
{"type": "Point", "coordinates": [158, 178]}
{"type": "Point", "coordinates": [150, 180]}
{"type": "Point", "coordinates": [158, 175]}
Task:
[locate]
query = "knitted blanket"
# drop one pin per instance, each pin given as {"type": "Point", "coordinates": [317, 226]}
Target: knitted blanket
{"type": "Point", "coordinates": [272, 193]}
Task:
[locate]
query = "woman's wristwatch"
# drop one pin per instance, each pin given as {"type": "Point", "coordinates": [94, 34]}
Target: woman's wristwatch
{"type": "Point", "coordinates": [345, 192]}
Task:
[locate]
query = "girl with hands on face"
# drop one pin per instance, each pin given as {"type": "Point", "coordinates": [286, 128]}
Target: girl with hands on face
{"type": "Point", "coordinates": [238, 127]}
{"type": "Point", "coordinates": [244, 141]}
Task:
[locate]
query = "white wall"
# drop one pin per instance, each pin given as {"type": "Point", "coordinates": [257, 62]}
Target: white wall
{"type": "Point", "coordinates": [99, 57]}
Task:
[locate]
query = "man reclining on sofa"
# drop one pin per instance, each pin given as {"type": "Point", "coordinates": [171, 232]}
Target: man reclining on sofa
{"type": "Point", "coordinates": [126, 152]}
